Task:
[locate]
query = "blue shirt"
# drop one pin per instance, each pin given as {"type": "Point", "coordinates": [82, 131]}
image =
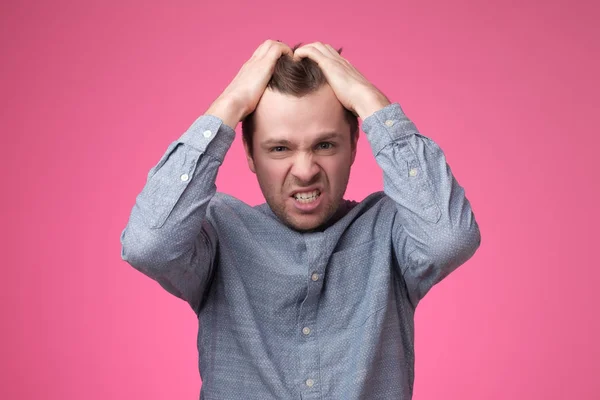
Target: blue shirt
{"type": "Point", "coordinates": [290, 315]}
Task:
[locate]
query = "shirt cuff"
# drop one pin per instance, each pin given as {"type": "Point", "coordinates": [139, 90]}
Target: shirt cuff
{"type": "Point", "coordinates": [386, 126]}
{"type": "Point", "coordinates": [209, 135]}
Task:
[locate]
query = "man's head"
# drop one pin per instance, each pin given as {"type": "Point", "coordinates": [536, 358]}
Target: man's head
{"type": "Point", "coordinates": [301, 142]}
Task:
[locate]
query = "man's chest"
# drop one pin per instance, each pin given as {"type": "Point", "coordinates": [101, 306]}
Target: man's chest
{"type": "Point", "coordinates": [341, 281]}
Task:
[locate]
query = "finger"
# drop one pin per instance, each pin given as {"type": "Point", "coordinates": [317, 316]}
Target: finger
{"type": "Point", "coordinates": [317, 45]}
{"type": "Point", "coordinates": [326, 49]}
{"type": "Point", "coordinates": [278, 49]}
{"type": "Point", "coordinates": [268, 45]}
{"type": "Point", "coordinates": [261, 49]}
{"type": "Point", "coordinates": [311, 52]}
{"type": "Point", "coordinates": [334, 52]}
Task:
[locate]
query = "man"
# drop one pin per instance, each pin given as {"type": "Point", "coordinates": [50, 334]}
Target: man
{"type": "Point", "coordinates": [308, 296]}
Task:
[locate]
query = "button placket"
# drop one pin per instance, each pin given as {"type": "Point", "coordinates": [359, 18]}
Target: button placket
{"type": "Point", "coordinates": [308, 347]}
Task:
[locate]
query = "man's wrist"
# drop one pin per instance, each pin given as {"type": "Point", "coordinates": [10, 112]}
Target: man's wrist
{"type": "Point", "coordinates": [226, 111]}
{"type": "Point", "coordinates": [372, 103]}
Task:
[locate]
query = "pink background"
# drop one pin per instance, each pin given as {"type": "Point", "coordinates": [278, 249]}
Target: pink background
{"type": "Point", "coordinates": [93, 94]}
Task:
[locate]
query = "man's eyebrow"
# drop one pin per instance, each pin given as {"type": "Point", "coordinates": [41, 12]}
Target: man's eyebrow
{"type": "Point", "coordinates": [328, 136]}
{"type": "Point", "coordinates": [276, 142]}
{"type": "Point", "coordinates": [284, 142]}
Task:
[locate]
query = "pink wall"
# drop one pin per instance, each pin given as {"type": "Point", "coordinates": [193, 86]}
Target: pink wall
{"type": "Point", "coordinates": [93, 94]}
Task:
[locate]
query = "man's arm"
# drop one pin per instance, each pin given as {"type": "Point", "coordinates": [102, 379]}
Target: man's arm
{"type": "Point", "coordinates": [167, 236]}
{"type": "Point", "coordinates": [434, 229]}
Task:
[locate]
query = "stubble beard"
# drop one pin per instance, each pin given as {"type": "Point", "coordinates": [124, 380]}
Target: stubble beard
{"type": "Point", "coordinates": [279, 208]}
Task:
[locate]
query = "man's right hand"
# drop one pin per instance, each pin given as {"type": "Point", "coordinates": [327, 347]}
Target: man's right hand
{"type": "Point", "coordinates": [242, 95]}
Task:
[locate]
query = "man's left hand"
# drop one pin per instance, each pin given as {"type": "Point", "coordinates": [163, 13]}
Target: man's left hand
{"type": "Point", "coordinates": [351, 88]}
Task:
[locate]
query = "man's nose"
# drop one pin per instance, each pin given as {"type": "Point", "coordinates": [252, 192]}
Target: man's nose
{"type": "Point", "coordinates": [305, 169]}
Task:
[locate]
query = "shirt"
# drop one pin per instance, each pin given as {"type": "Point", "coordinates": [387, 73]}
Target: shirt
{"type": "Point", "coordinates": [289, 315]}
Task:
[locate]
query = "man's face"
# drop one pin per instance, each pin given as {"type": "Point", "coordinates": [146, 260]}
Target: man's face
{"type": "Point", "coordinates": [302, 153]}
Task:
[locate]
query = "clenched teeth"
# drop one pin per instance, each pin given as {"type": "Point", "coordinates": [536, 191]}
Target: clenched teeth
{"type": "Point", "coordinates": [307, 197]}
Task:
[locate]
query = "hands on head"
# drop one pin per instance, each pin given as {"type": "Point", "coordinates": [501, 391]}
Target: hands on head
{"type": "Point", "coordinates": [351, 88]}
{"type": "Point", "coordinates": [242, 95]}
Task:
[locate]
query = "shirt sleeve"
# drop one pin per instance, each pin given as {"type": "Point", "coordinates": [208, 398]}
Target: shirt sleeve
{"type": "Point", "coordinates": [167, 237]}
{"type": "Point", "coordinates": [434, 229]}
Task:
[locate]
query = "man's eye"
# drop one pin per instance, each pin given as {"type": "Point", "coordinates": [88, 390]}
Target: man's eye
{"type": "Point", "coordinates": [325, 146]}
{"type": "Point", "coordinates": [278, 149]}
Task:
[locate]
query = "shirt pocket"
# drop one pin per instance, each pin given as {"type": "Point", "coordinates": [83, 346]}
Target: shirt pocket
{"type": "Point", "coordinates": [358, 282]}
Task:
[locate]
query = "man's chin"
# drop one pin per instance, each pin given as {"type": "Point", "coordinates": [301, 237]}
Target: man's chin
{"type": "Point", "coordinates": [304, 224]}
{"type": "Point", "coordinates": [309, 222]}
{"type": "Point", "coordinates": [303, 221]}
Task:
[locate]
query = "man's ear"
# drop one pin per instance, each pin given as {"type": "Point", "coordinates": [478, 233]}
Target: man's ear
{"type": "Point", "coordinates": [353, 144]}
{"type": "Point", "coordinates": [249, 157]}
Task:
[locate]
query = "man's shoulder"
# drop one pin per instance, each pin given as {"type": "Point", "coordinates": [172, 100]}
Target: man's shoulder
{"type": "Point", "coordinates": [227, 209]}
{"type": "Point", "coordinates": [225, 202]}
{"type": "Point", "coordinates": [370, 208]}
{"type": "Point", "coordinates": [374, 200]}
{"type": "Point", "coordinates": [222, 200]}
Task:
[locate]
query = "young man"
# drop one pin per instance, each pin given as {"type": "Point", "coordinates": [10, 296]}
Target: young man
{"type": "Point", "coordinates": [308, 296]}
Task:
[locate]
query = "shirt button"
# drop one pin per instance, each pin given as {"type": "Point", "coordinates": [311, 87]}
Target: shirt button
{"type": "Point", "coordinates": [207, 134]}
{"type": "Point", "coordinates": [184, 177]}
{"type": "Point", "coordinates": [314, 277]}
{"type": "Point", "coordinates": [389, 122]}
{"type": "Point", "coordinates": [413, 172]}
{"type": "Point", "coordinates": [310, 382]}
{"type": "Point", "coordinates": [306, 330]}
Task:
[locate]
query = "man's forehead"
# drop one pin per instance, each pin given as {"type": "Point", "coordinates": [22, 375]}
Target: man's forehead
{"type": "Point", "coordinates": [287, 117]}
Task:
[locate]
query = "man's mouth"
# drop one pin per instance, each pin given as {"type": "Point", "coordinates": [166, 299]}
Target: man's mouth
{"type": "Point", "coordinates": [307, 197]}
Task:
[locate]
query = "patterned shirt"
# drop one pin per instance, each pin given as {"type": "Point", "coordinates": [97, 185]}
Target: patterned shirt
{"type": "Point", "coordinates": [284, 314]}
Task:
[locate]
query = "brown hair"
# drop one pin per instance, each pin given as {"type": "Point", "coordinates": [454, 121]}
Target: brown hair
{"type": "Point", "coordinates": [297, 78]}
